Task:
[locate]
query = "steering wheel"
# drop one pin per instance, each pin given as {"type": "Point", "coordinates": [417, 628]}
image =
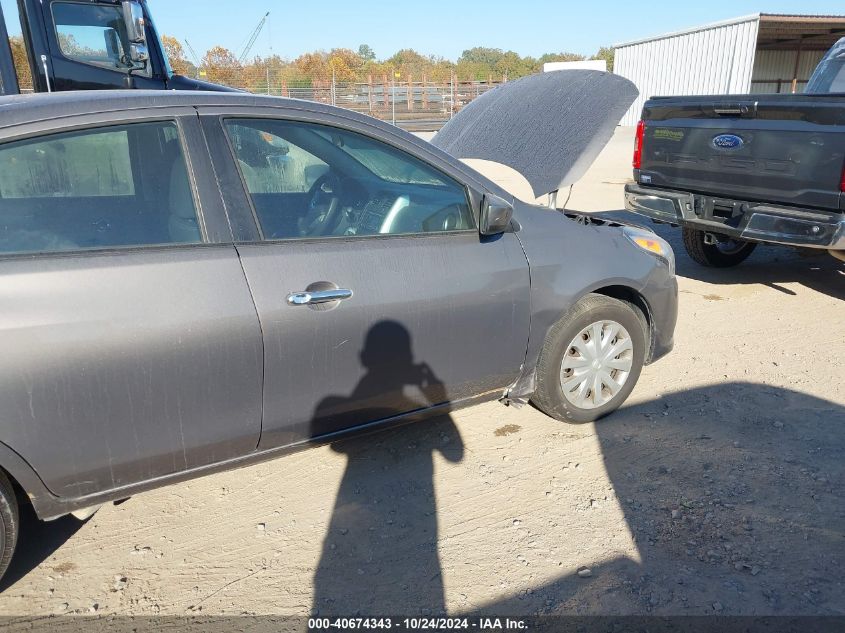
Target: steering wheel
{"type": "Point", "coordinates": [323, 213]}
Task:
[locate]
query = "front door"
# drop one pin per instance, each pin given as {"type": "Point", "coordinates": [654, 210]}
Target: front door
{"type": "Point", "coordinates": [130, 345]}
{"type": "Point", "coordinates": [377, 296]}
{"type": "Point", "coordinates": [89, 47]}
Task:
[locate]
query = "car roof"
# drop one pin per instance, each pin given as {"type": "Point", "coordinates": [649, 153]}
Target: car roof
{"type": "Point", "coordinates": [42, 107]}
{"type": "Point", "coordinates": [32, 108]}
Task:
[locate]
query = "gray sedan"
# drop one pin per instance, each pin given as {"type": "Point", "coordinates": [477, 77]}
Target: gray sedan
{"type": "Point", "coordinates": [194, 282]}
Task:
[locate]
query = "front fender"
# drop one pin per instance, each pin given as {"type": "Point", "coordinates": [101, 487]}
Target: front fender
{"type": "Point", "coordinates": [569, 260]}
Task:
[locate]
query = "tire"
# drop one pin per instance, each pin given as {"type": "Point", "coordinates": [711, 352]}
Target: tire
{"type": "Point", "coordinates": [732, 253]}
{"type": "Point", "coordinates": [560, 342]}
{"type": "Point", "coordinates": [9, 523]}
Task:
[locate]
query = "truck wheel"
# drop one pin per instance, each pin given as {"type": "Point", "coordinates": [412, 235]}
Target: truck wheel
{"type": "Point", "coordinates": [591, 360]}
{"type": "Point", "coordinates": [8, 523]}
{"type": "Point", "coordinates": [720, 255]}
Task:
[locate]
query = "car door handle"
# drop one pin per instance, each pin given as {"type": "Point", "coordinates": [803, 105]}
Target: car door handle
{"type": "Point", "coordinates": [315, 297]}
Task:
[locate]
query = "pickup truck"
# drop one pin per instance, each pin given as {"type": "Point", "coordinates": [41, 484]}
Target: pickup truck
{"type": "Point", "coordinates": [734, 171]}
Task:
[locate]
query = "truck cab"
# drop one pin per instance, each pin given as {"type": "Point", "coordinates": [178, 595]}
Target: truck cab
{"type": "Point", "coordinates": [59, 45]}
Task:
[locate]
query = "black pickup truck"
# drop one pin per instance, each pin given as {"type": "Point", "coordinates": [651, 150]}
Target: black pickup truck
{"type": "Point", "coordinates": [734, 171]}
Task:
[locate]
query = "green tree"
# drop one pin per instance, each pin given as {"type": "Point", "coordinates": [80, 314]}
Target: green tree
{"type": "Point", "coordinates": [482, 56]}
{"type": "Point", "coordinates": [560, 57]}
{"type": "Point", "coordinates": [608, 54]}
{"type": "Point", "coordinates": [366, 53]}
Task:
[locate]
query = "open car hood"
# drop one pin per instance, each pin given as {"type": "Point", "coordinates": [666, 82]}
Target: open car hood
{"type": "Point", "coordinates": [549, 127]}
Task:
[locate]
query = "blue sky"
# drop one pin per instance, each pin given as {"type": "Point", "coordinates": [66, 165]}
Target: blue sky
{"type": "Point", "coordinates": [444, 27]}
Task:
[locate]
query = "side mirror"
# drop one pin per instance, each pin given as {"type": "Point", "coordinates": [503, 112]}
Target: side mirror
{"type": "Point", "coordinates": [139, 54]}
{"type": "Point", "coordinates": [496, 215]}
{"type": "Point", "coordinates": [133, 16]}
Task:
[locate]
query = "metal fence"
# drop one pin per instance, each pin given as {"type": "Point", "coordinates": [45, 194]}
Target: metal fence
{"type": "Point", "coordinates": [410, 104]}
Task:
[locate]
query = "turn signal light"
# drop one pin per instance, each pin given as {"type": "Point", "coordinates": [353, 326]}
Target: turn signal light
{"type": "Point", "coordinates": [638, 145]}
{"type": "Point", "coordinates": [649, 245]}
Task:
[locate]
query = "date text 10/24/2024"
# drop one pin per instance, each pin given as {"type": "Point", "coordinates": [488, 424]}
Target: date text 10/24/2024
{"type": "Point", "coordinates": [481, 624]}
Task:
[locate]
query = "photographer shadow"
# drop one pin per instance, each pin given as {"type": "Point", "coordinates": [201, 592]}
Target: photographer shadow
{"type": "Point", "coordinates": [380, 552]}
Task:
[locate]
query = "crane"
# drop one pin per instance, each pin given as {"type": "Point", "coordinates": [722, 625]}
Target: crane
{"type": "Point", "coordinates": [253, 38]}
{"type": "Point", "coordinates": [197, 62]}
{"type": "Point", "coordinates": [193, 53]}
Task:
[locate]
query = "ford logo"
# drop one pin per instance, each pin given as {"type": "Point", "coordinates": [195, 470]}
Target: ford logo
{"type": "Point", "coordinates": [728, 141]}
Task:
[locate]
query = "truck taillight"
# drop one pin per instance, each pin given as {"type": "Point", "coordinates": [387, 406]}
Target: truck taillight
{"type": "Point", "coordinates": [842, 181]}
{"type": "Point", "coordinates": [638, 145]}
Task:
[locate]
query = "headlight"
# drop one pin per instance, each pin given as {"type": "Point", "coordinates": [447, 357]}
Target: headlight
{"type": "Point", "coordinates": [648, 241]}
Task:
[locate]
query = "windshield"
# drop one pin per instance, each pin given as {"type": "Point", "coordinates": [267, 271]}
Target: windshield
{"type": "Point", "coordinates": [829, 76]}
{"type": "Point", "coordinates": [375, 159]}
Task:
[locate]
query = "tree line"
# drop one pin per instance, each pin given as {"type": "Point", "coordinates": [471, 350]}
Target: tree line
{"type": "Point", "coordinates": [220, 65]}
{"type": "Point", "coordinates": [319, 68]}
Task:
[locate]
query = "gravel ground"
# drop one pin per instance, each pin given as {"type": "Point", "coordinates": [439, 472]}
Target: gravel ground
{"type": "Point", "coordinates": [718, 489]}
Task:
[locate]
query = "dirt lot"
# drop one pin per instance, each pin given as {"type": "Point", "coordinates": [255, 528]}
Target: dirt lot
{"type": "Point", "coordinates": [718, 489]}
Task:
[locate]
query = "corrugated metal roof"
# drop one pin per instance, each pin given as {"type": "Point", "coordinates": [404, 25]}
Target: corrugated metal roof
{"type": "Point", "coordinates": [788, 23]}
{"type": "Point", "coordinates": [696, 29]}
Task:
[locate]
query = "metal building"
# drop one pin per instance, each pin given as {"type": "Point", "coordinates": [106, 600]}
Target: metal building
{"type": "Point", "coordinates": [758, 53]}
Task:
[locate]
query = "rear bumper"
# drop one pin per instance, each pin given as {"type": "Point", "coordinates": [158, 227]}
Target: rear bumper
{"type": "Point", "coordinates": [749, 221]}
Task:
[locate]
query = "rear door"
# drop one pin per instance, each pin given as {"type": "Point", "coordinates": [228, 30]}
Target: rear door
{"type": "Point", "coordinates": [8, 78]}
{"type": "Point", "coordinates": [131, 346]}
{"type": "Point", "coordinates": [376, 294]}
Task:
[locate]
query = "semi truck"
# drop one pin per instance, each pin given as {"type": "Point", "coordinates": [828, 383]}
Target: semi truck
{"type": "Point", "coordinates": [85, 45]}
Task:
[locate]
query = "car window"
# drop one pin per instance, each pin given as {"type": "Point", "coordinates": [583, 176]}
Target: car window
{"type": "Point", "coordinates": [116, 186]}
{"type": "Point", "coordinates": [308, 180]}
{"type": "Point", "coordinates": [92, 33]}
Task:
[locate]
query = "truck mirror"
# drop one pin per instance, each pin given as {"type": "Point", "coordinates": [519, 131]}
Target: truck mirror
{"type": "Point", "coordinates": [133, 16]}
{"type": "Point", "coordinates": [139, 54]}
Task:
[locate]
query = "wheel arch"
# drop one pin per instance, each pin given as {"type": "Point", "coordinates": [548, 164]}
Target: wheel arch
{"type": "Point", "coordinates": [633, 297]}
{"type": "Point", "coordinates": [27, 484]}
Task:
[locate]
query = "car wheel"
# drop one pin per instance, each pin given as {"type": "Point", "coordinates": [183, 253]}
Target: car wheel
{"type": "Point", "coordinates": [591, 360]}
{"type": "Point", "coordinates": [8, 523]}
{"type": "Point", "coordinates": [724, 254]}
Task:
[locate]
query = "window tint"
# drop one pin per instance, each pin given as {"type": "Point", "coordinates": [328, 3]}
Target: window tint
{"type": "Point", "coordinates": [308, 180]}
{"type": "Point", "coordinates": [92, 33]}
{"type": "Point", "coordinates": [116, 186]}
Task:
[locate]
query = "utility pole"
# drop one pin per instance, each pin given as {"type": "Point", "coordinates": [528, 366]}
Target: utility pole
{"type": "Point", "coordinates": [393, 91]}
{"type": "Point", "coordinates": [451, 95]}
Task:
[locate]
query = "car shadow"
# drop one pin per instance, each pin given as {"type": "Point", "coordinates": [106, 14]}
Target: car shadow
{"type": "Point", "coordinates": [37, 541]}
{"type": "Point", "coordinates": [734, 496]}
{"type": "Point", "coordinates": [380, 550]}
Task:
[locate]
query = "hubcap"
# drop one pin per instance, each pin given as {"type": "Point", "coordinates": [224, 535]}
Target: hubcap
{"type": "Point", "coordinates": [596, 364]}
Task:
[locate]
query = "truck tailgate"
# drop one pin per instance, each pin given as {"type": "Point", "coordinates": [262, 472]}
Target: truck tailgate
{"type": "Point", "coordinates": [787, 149]}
